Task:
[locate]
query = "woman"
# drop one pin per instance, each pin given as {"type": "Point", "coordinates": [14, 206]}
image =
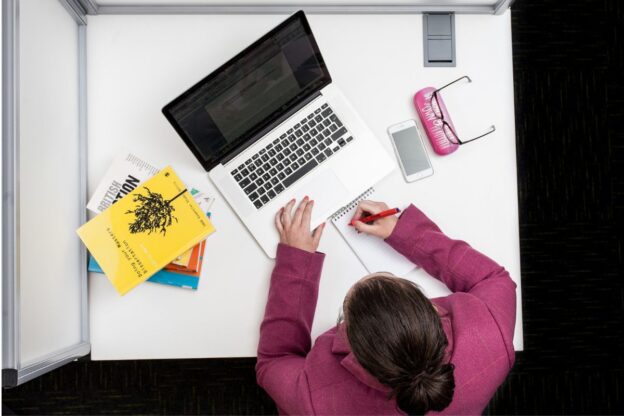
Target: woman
{"type": "Point", "coordinates": [396, 351]}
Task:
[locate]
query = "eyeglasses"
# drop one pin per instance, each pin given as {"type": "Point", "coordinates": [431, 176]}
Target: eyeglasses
{"type": "Point", "coordinates": [438, 111]}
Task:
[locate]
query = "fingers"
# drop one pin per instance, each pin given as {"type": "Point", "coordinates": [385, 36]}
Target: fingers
{"type": "Point", "coordinates": [307, 214]}
{"type": "Point", "coordinates": [296, 221]}
{"type": "Point", "coordinates": [294, 228]}
{"type": "Point", "coordinates": [365, 228]}
{"type": "Point", "coordinates": [370, 207]}
{"type": "Point", "coordinates": [373, 206]}
{"type": "Point", "coordinates": [287, 214]}
{"type": "Point", "coordinates": [278, 222]}
{"type": "Point", "coordinates": [316, 235]}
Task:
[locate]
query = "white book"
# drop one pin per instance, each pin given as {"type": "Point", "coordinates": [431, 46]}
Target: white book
{"type": "Point", "coordinates": [374, 253]}
{"type": "Point", "coordinates": [125, 174]}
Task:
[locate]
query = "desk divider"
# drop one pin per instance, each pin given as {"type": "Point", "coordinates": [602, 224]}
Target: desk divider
{"type": "Point", "coordinates": [42, 333]}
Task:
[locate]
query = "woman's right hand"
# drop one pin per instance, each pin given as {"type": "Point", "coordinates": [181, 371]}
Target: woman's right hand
{"type": "Point", "coordinates": [382, 227]}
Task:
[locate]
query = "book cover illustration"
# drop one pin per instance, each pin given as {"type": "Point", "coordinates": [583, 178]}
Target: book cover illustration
{"type": "Point", "coordinates": [145, 230]}
{"type": "Point", "coordinates": [125, 173]}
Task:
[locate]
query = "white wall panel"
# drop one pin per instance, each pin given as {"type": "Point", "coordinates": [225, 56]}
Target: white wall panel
{"type": "Point", "coordinates": [49, 205]}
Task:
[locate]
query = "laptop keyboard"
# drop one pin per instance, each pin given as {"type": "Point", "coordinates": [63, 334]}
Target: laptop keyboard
{"type": "Point", "coordinates": [281, 163]}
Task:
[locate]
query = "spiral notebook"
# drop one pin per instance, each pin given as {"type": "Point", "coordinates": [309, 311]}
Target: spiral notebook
{"type": "Point", "coordinates": [374, 253]}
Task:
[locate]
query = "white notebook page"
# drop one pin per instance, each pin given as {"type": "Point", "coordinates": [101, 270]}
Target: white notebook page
{"type": "Point", "coordinates": [374, 253]}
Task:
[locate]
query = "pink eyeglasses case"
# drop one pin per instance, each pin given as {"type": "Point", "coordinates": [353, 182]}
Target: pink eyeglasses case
{"type": "Point", "coordinates": [433, 126]}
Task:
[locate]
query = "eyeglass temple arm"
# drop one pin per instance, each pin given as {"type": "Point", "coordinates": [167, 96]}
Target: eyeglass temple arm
{"type": "Point", "coordinates": [492, 130]}
{"type": "Point", "coordinates": [453, 82]}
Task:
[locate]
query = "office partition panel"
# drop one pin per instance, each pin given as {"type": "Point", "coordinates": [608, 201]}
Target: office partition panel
{"type": "Point", "coordinates": [45, 315]}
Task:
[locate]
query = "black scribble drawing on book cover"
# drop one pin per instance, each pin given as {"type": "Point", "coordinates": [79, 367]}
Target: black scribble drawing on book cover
{"type": "Point", "coordinates": [152, 212]}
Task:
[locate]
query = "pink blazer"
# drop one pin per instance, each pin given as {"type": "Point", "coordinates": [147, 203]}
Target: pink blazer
{"type": "Point", "coordinates": [326, 378]}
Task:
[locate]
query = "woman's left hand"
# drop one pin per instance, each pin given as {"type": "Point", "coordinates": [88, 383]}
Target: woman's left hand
{"type": "Point", "coordinates": [294, 229]}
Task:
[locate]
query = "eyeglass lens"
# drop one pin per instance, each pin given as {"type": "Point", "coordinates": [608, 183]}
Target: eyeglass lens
{"type": "Point", "coordinates": [446, 127]}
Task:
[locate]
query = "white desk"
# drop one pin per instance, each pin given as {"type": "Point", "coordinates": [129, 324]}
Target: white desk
{"type": "Point", "coordinates": [136, 64]}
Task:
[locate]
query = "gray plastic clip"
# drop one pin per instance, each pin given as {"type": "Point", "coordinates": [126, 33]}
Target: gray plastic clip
{"type": "Point", "coordinates": [439, 39]}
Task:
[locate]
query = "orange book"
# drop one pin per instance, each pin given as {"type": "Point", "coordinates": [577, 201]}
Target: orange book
{"type": "Point", "coordinates": [200, 262]}
{"type": "Point", "coordinates": [194, 260]}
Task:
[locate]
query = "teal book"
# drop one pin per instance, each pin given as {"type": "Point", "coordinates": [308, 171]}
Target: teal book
{"type": "Point", "coordinates": [164, 277]}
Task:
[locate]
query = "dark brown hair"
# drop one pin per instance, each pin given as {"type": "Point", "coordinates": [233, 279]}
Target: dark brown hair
{"type": "Point", "coordinates": [396, 335]}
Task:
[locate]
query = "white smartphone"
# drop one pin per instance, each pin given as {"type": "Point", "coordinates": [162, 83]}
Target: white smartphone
{"type": "Point", "coordinates": [410, 150]}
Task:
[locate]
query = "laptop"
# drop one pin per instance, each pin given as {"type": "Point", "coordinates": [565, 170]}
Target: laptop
{"type": "Point", "coordinates": [269, 125]}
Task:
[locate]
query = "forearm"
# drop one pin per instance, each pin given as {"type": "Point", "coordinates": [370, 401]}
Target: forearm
{"type": "Point", "coordinates": [289, 313]}
{"type": "Point", "coordinates": [460, 267]}
{"type": "Point", "coordinates": [454, 262]}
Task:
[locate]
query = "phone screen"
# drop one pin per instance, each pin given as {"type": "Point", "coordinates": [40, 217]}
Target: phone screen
{"type": "Point", "coordinates": [410, 150]}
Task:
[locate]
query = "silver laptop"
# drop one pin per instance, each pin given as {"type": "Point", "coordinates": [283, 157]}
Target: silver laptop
{"type": "Point", "coordinates": [269, 125]}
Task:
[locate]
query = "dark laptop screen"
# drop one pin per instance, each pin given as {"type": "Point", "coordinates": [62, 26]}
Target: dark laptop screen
{"type": "Point", "coordinates": [224, 110]}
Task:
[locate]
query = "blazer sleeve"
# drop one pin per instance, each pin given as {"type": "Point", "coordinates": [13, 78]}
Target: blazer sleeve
{"type": "Point", "coordinates": [285, 330]}
{"type": "Point", "coordinates": [459, 266]}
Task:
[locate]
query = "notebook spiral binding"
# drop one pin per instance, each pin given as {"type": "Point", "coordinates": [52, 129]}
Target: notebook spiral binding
{"type": "Point", "coordinates": [351, 205]}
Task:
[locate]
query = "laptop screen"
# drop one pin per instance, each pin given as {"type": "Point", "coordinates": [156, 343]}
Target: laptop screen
{"type": "Point", "coordinates": [222, 112]}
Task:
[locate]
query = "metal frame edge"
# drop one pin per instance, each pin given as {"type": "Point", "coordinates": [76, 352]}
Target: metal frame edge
{"type": "Point", "coordinates": [83, 164]}
{"type": "Point", "coordinates": [9, 377]}
{"type": "Point", "coordinates": [52, 361]}
{"type": "Point", "coordinates": [501, 6]}
{"type": "Point", "coordinates": [76, 10]}
{"type": "Point", "coordinates": [10, 188]}
{"type": "Point", "coordinates": [129, 9]}
{"type": "Point", "coordinates": [90, 6]}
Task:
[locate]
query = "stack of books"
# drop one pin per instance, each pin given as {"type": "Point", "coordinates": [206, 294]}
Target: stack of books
{"type": "Point", "coordinates": [149, 227]}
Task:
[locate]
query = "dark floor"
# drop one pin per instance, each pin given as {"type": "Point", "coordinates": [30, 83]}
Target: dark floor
{"type": "Point", "coordinates": [568, 64]}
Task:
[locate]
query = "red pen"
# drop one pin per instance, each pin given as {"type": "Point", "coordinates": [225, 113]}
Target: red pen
{"type": "Point", "coordinates": [381, 214]}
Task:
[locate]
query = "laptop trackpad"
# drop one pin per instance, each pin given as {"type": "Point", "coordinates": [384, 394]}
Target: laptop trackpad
{"type": "Point", "coordinates": [326, 190]}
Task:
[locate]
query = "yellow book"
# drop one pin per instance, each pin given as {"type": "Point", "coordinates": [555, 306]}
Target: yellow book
{"type": "Point", "coordinates": [183, 259]}
{"type": "Point", "coordinates": [145, 230]}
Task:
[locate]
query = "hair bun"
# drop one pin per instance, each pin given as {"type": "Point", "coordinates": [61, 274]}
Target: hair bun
{"type": "Point", "coordinates": [431, 389]}
{"type": "Point", "coordinates": [409, 358]}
